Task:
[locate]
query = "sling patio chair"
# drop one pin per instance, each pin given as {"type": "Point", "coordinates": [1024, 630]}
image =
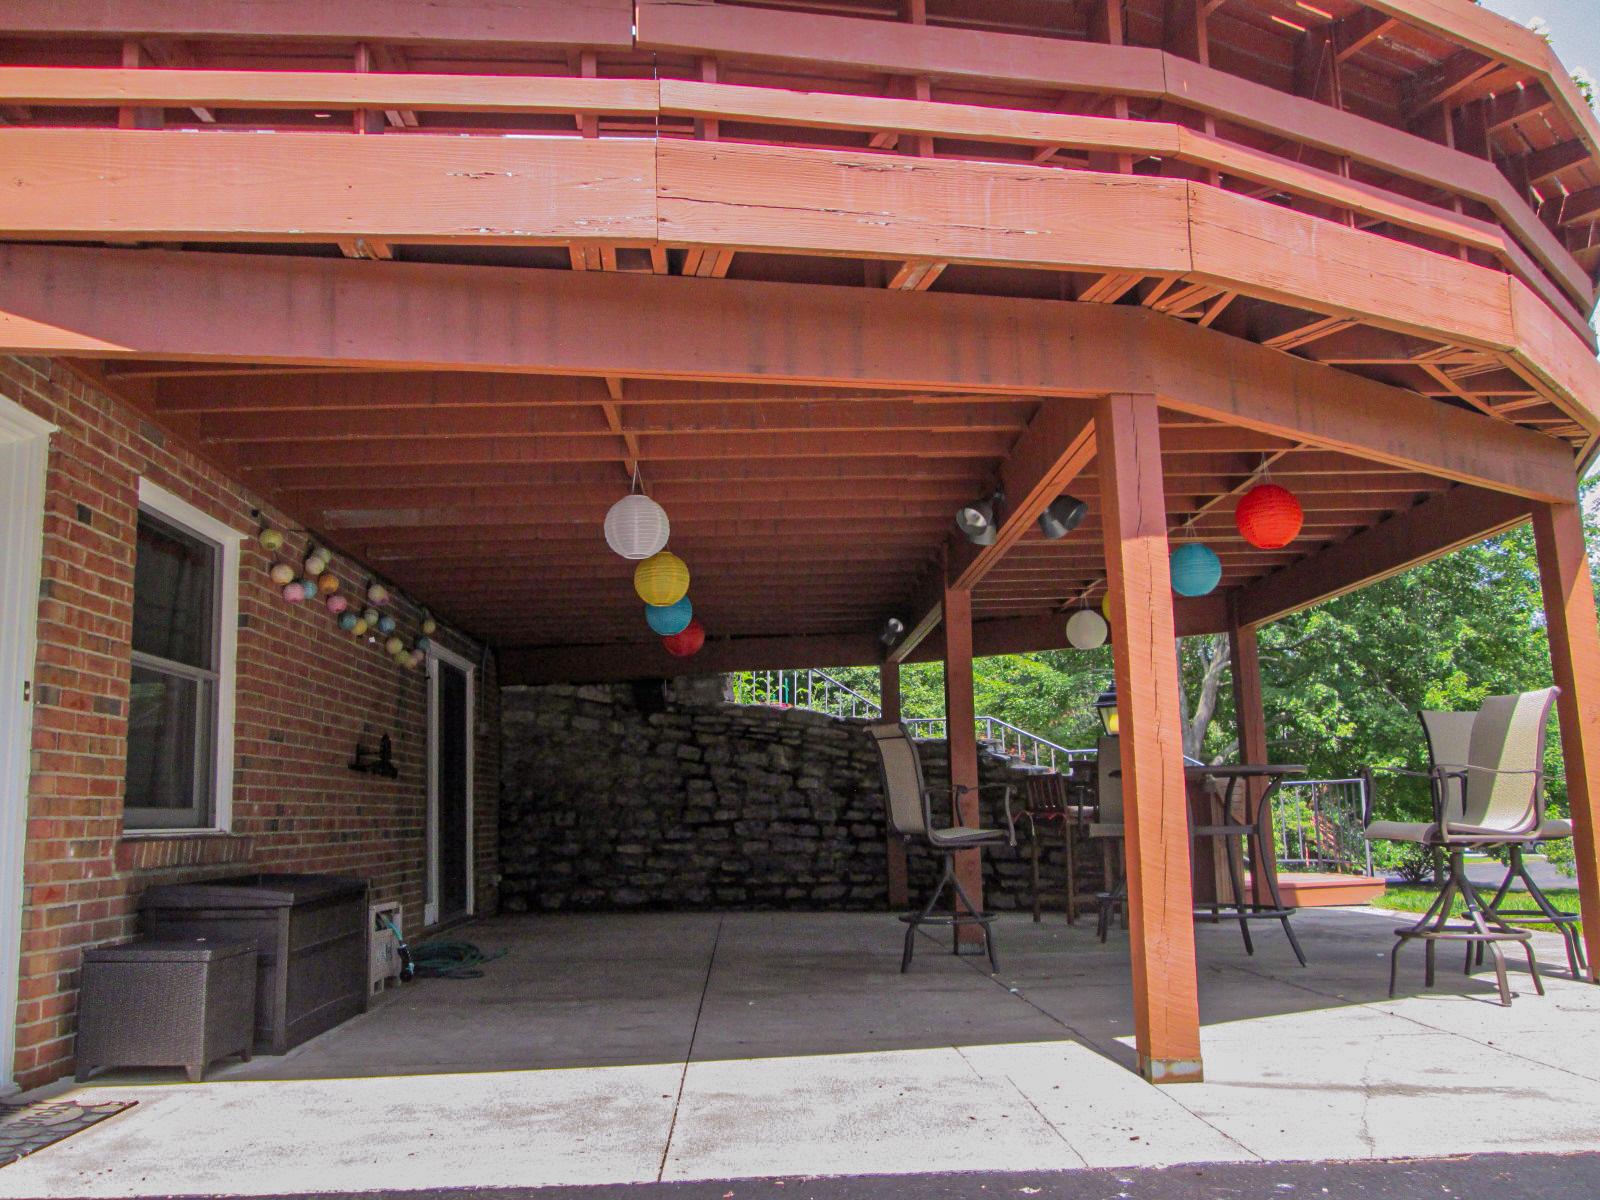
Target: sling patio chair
{"type": "Point", "coordinates": [1449, 739]}
{"type": "Point", "coordinates": [1493, 798]}
{"type": "Point", "coordinates": [909, 804]}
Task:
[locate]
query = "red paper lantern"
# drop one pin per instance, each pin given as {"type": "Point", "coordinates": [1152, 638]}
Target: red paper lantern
{"type": "Point", "coordinates": [1269, 516]}
{"type": "Point", "coordinates": [687, 642]}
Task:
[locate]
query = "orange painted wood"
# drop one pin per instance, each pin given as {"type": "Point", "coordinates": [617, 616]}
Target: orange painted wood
{"type": "Point", "coordinates": [267, 309]}
{"type": "Point", "coordinates": [1457, 518]}
{"type": "Point", "coordinates": [786, 198]}
{"type": "Point", "coordinates": [1111, 70]}
{"type": "Point", "coordinates": [962, 733]}
{"type": "Point", "coordinates": [1102, 134]}
{"type": "Point", "coordinates": [598, 24]}
{"type": "Point", "coordinates": [1564, 575]}
{"type": "Point", "coordinates": [291, 90]}
{"type": "Point", "coordinates": [1307, 889]}
{"type": "Point", "coordinates": [317, 187]}
{"type": "Point", "coordinates": [1160, 908]}
{"type": "Point", "coordinates": [889, 703]}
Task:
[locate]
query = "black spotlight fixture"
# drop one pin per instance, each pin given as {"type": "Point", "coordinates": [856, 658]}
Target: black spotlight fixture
{"type": "Point", "coordinates": [1064, 515]}
{"type": "Point", "coordinates": [980, 520]}
{"type": "Point", "coordinates": [892, 629]}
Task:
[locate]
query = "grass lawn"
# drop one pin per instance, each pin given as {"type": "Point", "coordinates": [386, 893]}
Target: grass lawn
{"type": "Point", "coordinates": [1413, 897]}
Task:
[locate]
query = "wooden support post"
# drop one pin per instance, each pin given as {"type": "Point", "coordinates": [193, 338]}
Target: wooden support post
{"type": "Point", "coordinates": [1160, 908]}
{"type": "Point", "coordinates": [961, 730]}
{"type": "Point", "coordinates": [889, 703]}
{"type": "Point", "coordinates": [1575, 661]}
{"type": "Point", "coordinates": [1251, 719]}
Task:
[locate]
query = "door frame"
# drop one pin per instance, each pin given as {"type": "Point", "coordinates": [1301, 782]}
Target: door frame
{"type": "Point", "coordinates": [436, 655]}
{"type": "Point", "coordinates": [24, 461]}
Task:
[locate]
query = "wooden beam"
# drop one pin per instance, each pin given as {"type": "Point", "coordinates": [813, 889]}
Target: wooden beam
{"type": "Point", "coordinates": [260, 309]}
{"type": "Point", "coordinates": [1539, 166]}
{"type": "Point", "coordinates": [1564, 576]}
{"type": "Point", "coordinates": [1155, 797]}
{"type": "Point", "coordinates": [961, 732]}
{"type": "Point", "coordinates": [1445, 81]}
{"type": "Point", "coordinates": [601, 24]}
{"type": "Point", "coordinates": [1357, 32]}
{"type": "Point", "coordinates": [1457, 518]}
{"type": "Point", "coordinates": [895, 849]}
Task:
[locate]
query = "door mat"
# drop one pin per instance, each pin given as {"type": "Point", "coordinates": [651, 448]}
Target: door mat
{"type": "Point", "coordinates": [25, 1128]}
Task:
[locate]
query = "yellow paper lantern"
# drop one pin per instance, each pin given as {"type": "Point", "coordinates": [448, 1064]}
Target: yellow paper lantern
{"type": "Point", "coordinates": [661, 579]}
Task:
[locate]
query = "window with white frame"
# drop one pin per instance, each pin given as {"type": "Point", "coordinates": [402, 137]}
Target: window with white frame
{"type": "Point", "coordinates": [180, 709]}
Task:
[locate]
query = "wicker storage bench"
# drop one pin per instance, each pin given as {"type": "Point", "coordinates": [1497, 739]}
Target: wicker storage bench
{"type": "Point", "coordinates": [309, 931]}
{"type": "Point", "coordinates": [166, 1003]}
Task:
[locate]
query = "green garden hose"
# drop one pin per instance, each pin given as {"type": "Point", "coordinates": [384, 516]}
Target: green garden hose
{"type": "Point", "coordinates": [451, 960]}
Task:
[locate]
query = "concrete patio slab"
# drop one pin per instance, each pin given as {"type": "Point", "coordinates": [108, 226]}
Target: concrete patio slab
{"type": "Point", "coordinates": [611, 1050]}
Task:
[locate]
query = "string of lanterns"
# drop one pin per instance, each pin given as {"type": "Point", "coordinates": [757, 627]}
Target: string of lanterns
{"type": "Point", "coordinates": [1267, 516]}
{"type": "Point", "coordinates": [313, 578]}
{"type": "Point", "coordinates": [637, 528]}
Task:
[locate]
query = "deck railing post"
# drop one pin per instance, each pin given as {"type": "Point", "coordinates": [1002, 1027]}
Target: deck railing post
{"type": "Point", "coordinates": [1159, 874]}
{"type": "Point", "coordinates": [889, 704]}
{"type": "Point", "coordinates": [961, 733]}
{"type": "Point", "coordinates": [1575, 662]}
{"type": "Point", "coordinates": [1245, 655]}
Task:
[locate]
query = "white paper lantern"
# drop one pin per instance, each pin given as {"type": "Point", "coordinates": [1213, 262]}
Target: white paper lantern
{"type": "Point", "coordinates": [637, 527]}
{"type": "Point", "coordinates": [1087, 629]}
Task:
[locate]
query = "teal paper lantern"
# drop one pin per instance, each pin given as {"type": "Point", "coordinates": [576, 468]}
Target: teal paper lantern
{"type": "Point", "coordinates": [668, 619]}
{"type": "Point", "coordinates": [1196, 569]}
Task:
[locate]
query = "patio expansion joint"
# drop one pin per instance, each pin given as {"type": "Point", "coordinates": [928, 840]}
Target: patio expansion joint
{"type": "Point", "coordinates": [1388, 1009]}
{"type": "Point", "coordinates": [1085, 1040]}
{"type": "Point", "coordinates": [688, 1054]}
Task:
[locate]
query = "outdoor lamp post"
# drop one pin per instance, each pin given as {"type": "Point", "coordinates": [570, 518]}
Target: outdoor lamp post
{"type": "Point", "coordinates": [1106, 705]}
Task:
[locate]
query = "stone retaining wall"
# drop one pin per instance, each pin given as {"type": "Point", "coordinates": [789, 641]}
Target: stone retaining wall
{"type": "Point", "coordinates": [622, 798]}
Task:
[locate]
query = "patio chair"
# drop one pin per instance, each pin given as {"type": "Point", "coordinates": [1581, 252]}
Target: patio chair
{"type": "Point", "coordinates": [1494, 798]}
{"type": "Point", "coordinates": [909, 804]}
{"type": "Point", "coordinates": [1055, 802]}
{"type": "Point", "coordinates": [1109, 829]}
{"type": "Point", "coordinates": [1449, 737]}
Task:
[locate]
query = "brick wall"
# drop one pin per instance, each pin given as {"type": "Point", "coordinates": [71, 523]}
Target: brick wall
{"type": "Point", "coordinates": [306, 692]}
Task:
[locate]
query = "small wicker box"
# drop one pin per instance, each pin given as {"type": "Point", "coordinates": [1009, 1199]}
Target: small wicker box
{"type": "Point", "coordinates": [169, 1003]}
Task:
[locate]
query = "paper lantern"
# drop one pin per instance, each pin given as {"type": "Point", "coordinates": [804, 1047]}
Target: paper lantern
{"type": "Point", "coordinates": [347, 622]}
{"type": "Point", "coordinates": [359, 627]}
{"type": "Point", "coordinates": [370, 616]}
{"type": "Point", "coordinates": [327, 583]}
{"type": "Point", "coordinates": [378, 594]}
{"type": "Point", "coordinates": [385, 624]}
{"type": "Point", "coordinates": [1087, 629]}
{"type": "Point", "coordinates": [667, 619]}
{"type": "Point", "coordinates": [682, 645]}
{"type": "Point", "coordinates": [661, 579]}
{"type": "Point", "coordinates": [337, 605]}
{"type": "Point", "coordinates": [293, 593]}
{"type": "Point", "coordinates": [423, 643]}
{"type": "Point", "coordinates": [636, 527]}
{"type": "Point", "coordinates": [394, 645]}
{"type": "Point", "coordinates": [270, 539]}
{"type": "Point", "coordinates": [414, 660]}
{"type": "Point", "coordinates": [1105, 606]}
{"type": "Point", "coordinates": [282, 573]}
{"type": "Point", "coordinates": [429, 626]}
{"type": "Point", "coordinates": [316, 563]}
{"type": "Point", "coordinates": [1269, 516]}
{"type": "Point", "coordinates": [1196, 569]}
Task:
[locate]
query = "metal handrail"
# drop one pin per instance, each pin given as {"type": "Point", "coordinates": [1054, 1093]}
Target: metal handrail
{"type": "Point", "coordinates": [810, 689]}
{"type": "Point", "coordinates": [1006, 738]}
{"type": "Point", "coordinates": [1318, 824]}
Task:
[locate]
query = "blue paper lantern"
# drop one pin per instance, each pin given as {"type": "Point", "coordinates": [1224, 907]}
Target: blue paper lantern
{"type": "Point", "coordinates": [668, 619]}
{"type": "Point", "coordinates": [1196, 569]}
{"type": "Point", "coordinates": [386, 624]}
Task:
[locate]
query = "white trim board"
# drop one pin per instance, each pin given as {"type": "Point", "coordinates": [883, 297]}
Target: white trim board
{"type": "Point", "coordinates": [163, 503]}
{"type": "Point", "coordinates": [436, 655]}
{"type": "Point", "coordinates": [24, 462]}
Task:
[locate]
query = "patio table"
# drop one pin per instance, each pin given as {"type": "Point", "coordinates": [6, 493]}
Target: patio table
{"type": "Point", "coordinates": [1242, 819]}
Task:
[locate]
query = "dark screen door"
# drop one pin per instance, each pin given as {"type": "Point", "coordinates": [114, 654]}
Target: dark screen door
{"type": "Point", "coordinates": [454, 806]}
